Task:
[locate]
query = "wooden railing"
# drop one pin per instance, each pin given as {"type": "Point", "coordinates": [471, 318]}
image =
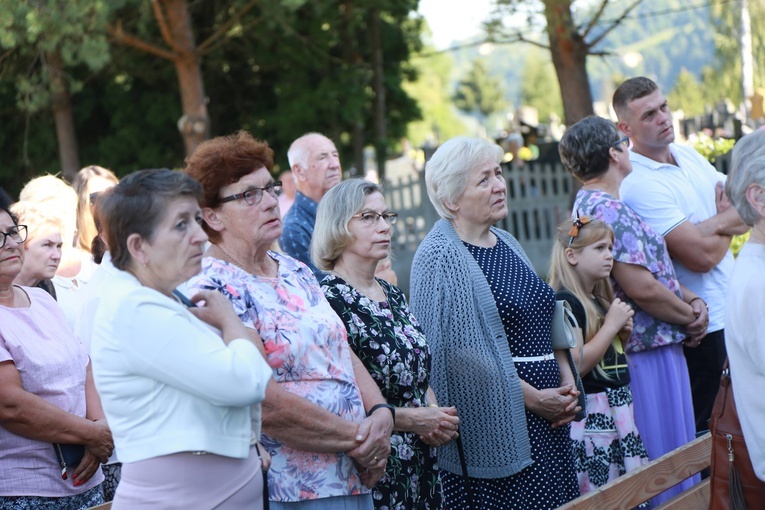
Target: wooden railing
{"type": "Point", "coordinates": [644, 483]}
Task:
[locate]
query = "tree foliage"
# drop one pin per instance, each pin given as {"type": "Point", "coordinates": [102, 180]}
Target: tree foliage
{"type": "Point", "coordinates": [285, 68]}
{"type": "Point", "coordinates": [539, 87]}
{"type": "Point", "coordinates": [479, 93]}
{"type": "Point", "coordinates": [687, 94]}
{"type": "Point", "coordinates": [570, 40]}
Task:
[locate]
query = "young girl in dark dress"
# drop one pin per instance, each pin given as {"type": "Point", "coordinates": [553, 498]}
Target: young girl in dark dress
{"type": "Point", "coordinates": [607, 444]}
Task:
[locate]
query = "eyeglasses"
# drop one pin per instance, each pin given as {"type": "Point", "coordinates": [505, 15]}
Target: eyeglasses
{"type": "Point", "coordinates": [254, 195]}
{"type": "Point", "coordinates": [369, 218]}
{"type": "Point", "coordinates": [17, 233]}
{"type": "Point", "coordinates": [616, 145]}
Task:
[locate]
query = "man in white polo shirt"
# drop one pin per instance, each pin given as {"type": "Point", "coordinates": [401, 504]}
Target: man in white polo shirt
{"type": "Point", "coordinates": [679, 194]}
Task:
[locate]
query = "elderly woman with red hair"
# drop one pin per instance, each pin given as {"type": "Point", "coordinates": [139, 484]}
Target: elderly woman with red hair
{"type": "Point", "coordinates": [325, 422]}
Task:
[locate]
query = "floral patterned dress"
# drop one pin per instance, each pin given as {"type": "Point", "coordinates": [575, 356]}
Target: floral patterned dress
{"type": "Point", "coordinates": [635, 242]}
{"type": "Point", "coordinates": [388, 340]}
{"type": "Point", "coordinates": [306, 346]}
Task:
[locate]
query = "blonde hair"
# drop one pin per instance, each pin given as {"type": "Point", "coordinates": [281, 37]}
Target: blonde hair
{"type": "Point", "coordinates": [86, 228]}
{"type": "Point", "coordinates": [563, 275]}
{"type": "Point", "coordinates": [331, 235]}
{"type": "Point", "coordinates": [36, 218]}
{"type": "Point", "coordinates": [58, 199]}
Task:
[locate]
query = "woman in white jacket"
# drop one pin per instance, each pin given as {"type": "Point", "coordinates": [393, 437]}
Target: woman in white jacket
{"type": "Point", "coordinates": [176, 383]}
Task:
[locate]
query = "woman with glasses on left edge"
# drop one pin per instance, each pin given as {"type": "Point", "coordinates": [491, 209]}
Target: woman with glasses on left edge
{"type": "Point", "coordinates": [324, 447]}
{"type": "Point", "coordinates": [352, 235]}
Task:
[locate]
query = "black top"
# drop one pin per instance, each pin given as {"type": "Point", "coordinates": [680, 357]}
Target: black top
{"type": "Point", "coordinates": [614, 361]}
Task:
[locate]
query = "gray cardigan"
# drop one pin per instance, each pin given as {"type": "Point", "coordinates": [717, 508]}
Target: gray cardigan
{"type": "Point", "coordinates": [472, 366]}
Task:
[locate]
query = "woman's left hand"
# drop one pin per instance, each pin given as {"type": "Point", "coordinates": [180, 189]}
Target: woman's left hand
{"type": "Point", "coordinates": [370, 477]}
{"type": "Point", "coordinates": [698, 328]}
{"type": "Point", "coordinates": [375, 433]}
{"type": "Point", "coordinates": [86, 469]}
{"type": "Point", "coordinates": [557, 405]}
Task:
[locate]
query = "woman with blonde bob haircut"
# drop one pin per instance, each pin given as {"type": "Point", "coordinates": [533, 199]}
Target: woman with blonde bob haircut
{"type": "Point", "coordinates": [744, 320]}
{"type": "Point", "coordinates": [42, 248]}
{"type": "Point", "coordinates": [352, 235]}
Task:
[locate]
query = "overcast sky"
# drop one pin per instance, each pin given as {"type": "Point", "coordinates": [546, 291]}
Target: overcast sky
{"type": "Point", "coordinates": [454, 20]}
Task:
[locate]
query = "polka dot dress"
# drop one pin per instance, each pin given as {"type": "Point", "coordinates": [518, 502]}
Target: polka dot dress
{"type": "Point", "coordinates": [526, 306]}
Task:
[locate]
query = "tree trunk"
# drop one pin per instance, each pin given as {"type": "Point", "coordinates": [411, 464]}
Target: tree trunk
{"type": "Point", "coordinates": [61, 104]}
{"type": "Point", "coordinates": [378, 85]}
{"type": "Point", "coordinates": [569, 55]}
{"type": "Point", "coordinates": [194, 125]}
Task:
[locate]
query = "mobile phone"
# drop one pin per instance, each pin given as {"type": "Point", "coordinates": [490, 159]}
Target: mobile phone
{"type": "Point", "coordinates": [183, 299]}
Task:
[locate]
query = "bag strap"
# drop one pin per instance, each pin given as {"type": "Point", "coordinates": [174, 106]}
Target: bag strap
{"type": "Point", "coordinates": [463, 466]}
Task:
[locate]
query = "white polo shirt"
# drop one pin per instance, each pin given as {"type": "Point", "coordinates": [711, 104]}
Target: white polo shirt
{"type": "Point", "coordinates": [665, 196]}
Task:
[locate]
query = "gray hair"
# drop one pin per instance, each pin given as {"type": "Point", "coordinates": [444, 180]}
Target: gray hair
{"type": "Point", "coordinates": [748, 168]}
{"type": "Point", "coordinates": [585, 147]}
{"type": "Point", "coordinates": [298, 154]}
{"type": "Point", "coordinates": [137, 204]}
{"type": "Point", "coordinates": [446, 172]}
{"type": "Point", "coordinates": [331, 235]}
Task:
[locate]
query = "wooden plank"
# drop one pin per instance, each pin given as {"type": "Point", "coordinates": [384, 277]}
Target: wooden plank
{"type": "Point", "coordinates": [105, 506]}
{"type": "Point", "coordinates": [642, 484]}
{"type": "Point", "coordinates": [695, 498]}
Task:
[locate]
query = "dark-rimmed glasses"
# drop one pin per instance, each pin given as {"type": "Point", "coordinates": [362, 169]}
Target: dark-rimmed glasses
{"type": "Point", "coordinates": [254, 195]}
{"type": "Point", "coordinates": [17, 233]}
{"type": "Point", "coordinates": [370, 217]}
{"type": "Point", "coordinates": [617, 144]}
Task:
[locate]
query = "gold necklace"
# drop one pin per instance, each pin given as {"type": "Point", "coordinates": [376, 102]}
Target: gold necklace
{"type": "Point", "coordinates": [240, 266]}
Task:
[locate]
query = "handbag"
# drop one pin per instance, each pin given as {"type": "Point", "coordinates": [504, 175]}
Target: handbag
{"type": "Point", "coordinates": [68, 456]}
{"type": "Point", "coordinates": [566, 335]}
{"type": "Point", "coordinates": [733, 484]}
{"type": "Point", "coordinates": [564, 326]}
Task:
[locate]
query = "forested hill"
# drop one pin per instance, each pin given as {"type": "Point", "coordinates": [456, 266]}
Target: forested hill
{"type": "Point", "coordinates": [661, 36]}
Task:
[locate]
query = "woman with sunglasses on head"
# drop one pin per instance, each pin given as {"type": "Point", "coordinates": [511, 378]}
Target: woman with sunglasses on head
{"type": "Point", "coordinates": [352, 235]}
{"type": "Point", "coordinates": [322, 423]}
{"type": "Point", "coordinates": [47, 394]}
{"type": "Point", "coordinates": [667, 315]}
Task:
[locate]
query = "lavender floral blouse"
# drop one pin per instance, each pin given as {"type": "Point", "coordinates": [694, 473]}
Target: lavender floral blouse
{"type": "Point", "coordinates": [636, 243]}
{"type": "Point", "coordinates": [307, 348]}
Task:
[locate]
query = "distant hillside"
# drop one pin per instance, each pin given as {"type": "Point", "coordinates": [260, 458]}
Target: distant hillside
{"type": "Point", "coordinates": [664, 35]}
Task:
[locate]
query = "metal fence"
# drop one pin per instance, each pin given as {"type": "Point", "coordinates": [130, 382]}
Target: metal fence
{"type": "Point", "coordinates": [538, 197]}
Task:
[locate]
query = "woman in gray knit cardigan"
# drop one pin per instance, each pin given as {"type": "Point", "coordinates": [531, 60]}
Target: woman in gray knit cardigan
{"type": "Point", "coordinates": [487, 317]}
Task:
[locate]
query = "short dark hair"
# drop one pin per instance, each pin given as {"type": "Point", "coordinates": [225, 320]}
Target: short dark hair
{"type": "Point", "coordinates": [137, 204]}
{"type": "Point", "coordinates": [632, 89]}
{"type": "Point", "coordinates": [5, 205]}
{"type": "Point", "coordinates": [223, 161]}
{"type": "Point", "coordinates": [584, 147]}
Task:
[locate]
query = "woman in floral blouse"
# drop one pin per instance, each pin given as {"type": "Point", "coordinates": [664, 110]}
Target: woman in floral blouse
{"type": "Point", "coordinates": [324, 420]}
{"type": "Point", "coordinates": [352, 234]}
{"type": "Point", "coordinates": [667, 315]}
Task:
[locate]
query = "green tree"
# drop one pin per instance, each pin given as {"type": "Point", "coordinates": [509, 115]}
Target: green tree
{"type": "Point", "coordinates": [480, 93]}
{"type": "Point", "coordinates": [539, 87]}
{"type": "Point", "coordinates": [687, 94]}
{"type": "Point", "coordinates": [570, 41]}
{"type": "Point", "coordinates": [723, 79]}
{"type": "Point", "coordinates": [47, 39]}
{"type": "Point", "coordinates": [431, 91]}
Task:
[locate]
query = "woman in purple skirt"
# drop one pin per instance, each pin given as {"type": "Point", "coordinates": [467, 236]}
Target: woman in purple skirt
{"type": "Point", "coordinates": [667, 315]}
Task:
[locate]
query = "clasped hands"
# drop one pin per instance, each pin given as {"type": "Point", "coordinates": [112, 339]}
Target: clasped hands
{"type": "Point", "coordinates": [557, 405]}
{"type": "Point", "coordinates": [373, 440]}
{"type": "Point", "coordinates": [97, 452]}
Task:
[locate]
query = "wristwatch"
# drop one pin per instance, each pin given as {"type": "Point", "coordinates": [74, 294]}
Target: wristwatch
{"type": "Point", "coordinates": [388, 406]}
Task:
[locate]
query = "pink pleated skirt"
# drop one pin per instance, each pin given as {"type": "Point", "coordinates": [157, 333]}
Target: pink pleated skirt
{"type": "Point", "coordinates": [185, 480]}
